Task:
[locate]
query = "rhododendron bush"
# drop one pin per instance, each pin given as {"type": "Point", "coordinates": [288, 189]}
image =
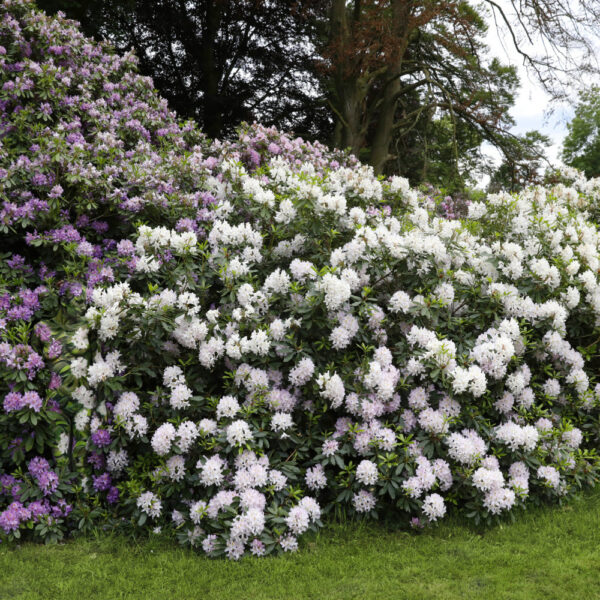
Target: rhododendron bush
{"type": "Point", "coordinates": [235, 340]}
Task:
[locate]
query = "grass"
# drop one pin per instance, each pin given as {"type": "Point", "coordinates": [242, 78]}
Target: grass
{"type": "Point", "coordinates": [549, 553]}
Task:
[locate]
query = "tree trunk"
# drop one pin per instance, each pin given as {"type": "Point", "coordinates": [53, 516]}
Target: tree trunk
{"type": "Point", "coordinates": [347, 101]}
{"type": "Point", "coordinates": [380, 146]}
{"type": "Point", "coordinates": [382, 138]}
{"type": "Point", "coordinates": [212, 116]}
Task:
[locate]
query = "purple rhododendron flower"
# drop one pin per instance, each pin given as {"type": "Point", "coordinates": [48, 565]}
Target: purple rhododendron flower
{"type": "Point", "coordinates": [101, 438]}
{"type": "Point", "coordinates": [102, 482]}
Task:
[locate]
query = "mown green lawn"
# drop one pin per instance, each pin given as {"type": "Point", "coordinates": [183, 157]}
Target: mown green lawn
{"type": "Point", "coordinates": [547, 553]}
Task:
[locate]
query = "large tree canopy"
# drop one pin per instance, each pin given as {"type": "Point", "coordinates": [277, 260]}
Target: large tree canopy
{"type": "Point", "coordinates": [439, 100]}
{"type": "Point", "coordinates": [219, 61]}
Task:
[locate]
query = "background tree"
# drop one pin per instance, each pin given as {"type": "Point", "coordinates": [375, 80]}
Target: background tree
{"type": "Point", "coordinates": [455, 102]}
{"type": "Point", "coordinates": [522, 166]}
{"type": "Point", "coordinates": [218, 61]}
{"type": "Point", "coordinates": [581, 147]}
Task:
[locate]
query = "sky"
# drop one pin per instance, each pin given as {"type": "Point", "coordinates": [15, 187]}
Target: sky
{"type": "Point", "coordinates": [532, 105]}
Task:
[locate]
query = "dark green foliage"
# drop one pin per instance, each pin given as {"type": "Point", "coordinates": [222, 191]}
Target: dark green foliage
{"type": "Point", "coordinates": [221, 62]}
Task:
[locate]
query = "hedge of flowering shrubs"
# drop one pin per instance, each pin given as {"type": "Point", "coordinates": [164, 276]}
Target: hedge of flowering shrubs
{"type": "Point", "coordinates": [235, 340]}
